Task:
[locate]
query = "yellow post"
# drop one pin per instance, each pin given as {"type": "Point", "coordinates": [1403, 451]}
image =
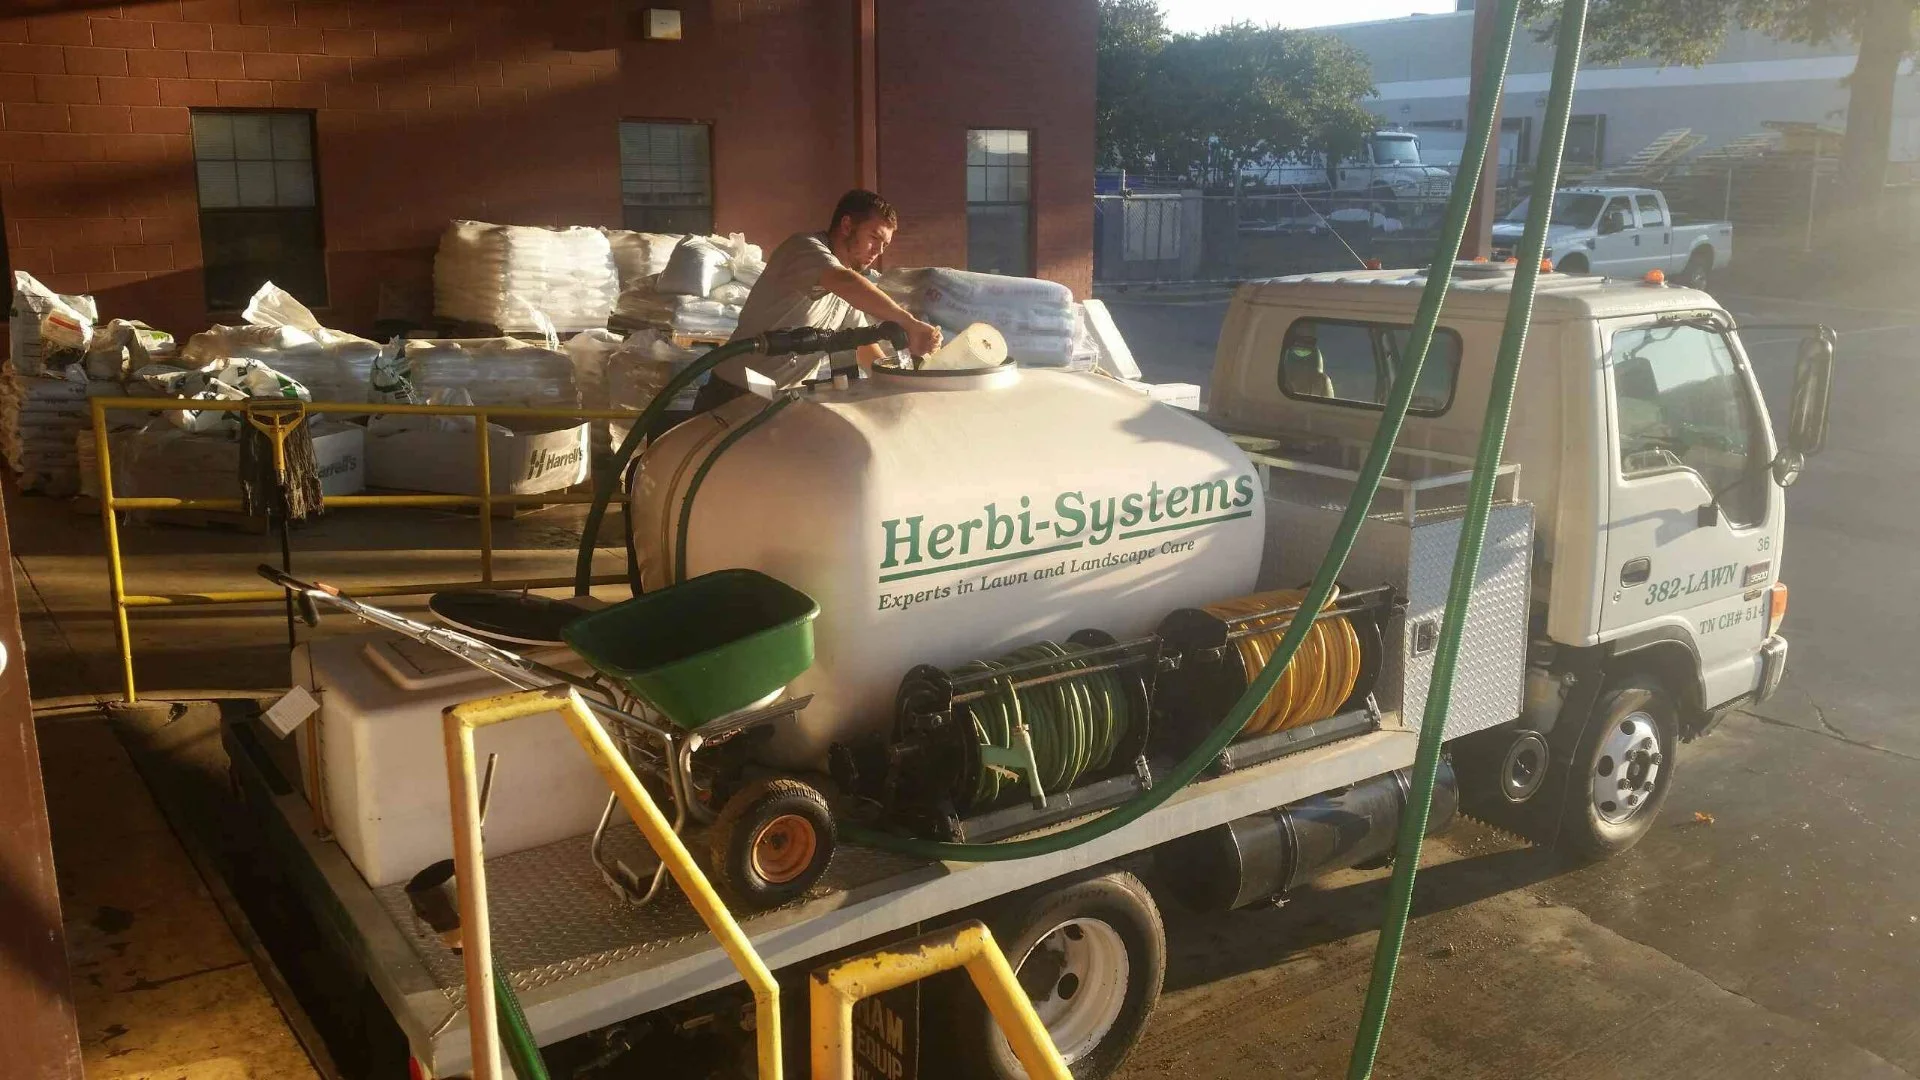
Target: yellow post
{"type": "Point", "coordinates": [484, 449]}
{"type": "Point", "coordinates": [116, 575]}
{"type": "Point", "coordinates": [470, 879]}
{"type": "Point", "coordinates": [460, 721]}
{"type": "Point", "coordinates": [834, 990]}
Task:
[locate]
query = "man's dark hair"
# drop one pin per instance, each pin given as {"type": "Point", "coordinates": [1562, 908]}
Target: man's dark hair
{"type": "Point", "coordinates": [861, 204]}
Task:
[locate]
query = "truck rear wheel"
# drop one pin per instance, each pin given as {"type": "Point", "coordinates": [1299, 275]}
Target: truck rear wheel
{"type": "Point", "coordinates": [1091, 954]}
{"type": "Point", "coordinates": [1699, 265]}
{"type": "Point", "coordinates": [1622, 770]}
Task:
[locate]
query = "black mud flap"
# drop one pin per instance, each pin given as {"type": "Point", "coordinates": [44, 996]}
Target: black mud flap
{"type": "Point", "coordinates": [1478, 760]}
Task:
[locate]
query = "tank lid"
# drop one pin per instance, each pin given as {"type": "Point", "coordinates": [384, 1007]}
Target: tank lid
{"type": "Point", "coordinates": [990, 378]}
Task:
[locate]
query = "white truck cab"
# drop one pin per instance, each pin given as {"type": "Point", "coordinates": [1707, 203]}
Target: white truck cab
{"type": "Point", "coordinates": [1388, 168]}
{"type": "Point", "coordinates": [1642, 441]}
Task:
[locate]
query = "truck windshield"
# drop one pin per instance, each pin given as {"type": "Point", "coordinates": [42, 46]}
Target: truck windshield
{"type": "Point", "coordinates": [1570, 208]}
{"type": "Point", "coordinates": [1399, 151]}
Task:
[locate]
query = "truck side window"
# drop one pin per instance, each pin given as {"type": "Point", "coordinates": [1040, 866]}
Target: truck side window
{"type": "Point", "coordinates": [1650, 216]}
{"type": "Point", "coordinates": [1618, 217]}
{"type": "Point", "coordinates": [1347, 362]}
{"type": "Point", "coordinates": [1682, 403]}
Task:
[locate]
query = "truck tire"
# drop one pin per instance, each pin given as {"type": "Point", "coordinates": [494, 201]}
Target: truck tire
{"type": "Point", "coordinates": [1572, 264]}
{"type": "Point", "coordinates": [1382, 201]}
{"type": "Point", "coordinates": [1622, 769]}
{"type": "Point", "coordinates": [1699, 265]}
{"type": "Point", "coordinates": [1090, 951]}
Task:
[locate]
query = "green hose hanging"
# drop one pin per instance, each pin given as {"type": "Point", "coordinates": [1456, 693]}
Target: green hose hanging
{"type": "Point", "coordinates": [1466, 562]}
{"type": "Point", "coordinates": [1393, 416]}
{"type": "Point", "coordinates": [516, 1035]}
{"type": "Point", "coordinates": [700, 476]}
{"type": "Point", "coordinates": [609, 480]}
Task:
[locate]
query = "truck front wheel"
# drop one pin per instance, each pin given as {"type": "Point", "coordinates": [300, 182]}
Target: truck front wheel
{"type": "Point", "coordinates": [1622, 770]}
{"type": "Point", "coordinates": [1090, 953]}
{"type": "Point", "coordinates": [1572, 264]}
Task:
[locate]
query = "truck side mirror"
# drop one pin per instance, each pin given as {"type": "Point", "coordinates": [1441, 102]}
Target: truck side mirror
{"type": "Point", "coordinates": [1807, 412]}
{"type": "Point", "coordinates": [1812, 387]}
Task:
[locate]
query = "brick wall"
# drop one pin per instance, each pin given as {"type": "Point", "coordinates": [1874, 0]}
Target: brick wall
{"type": "Point", "coordinates": [506, 111]}
{"type": "Point", "coordinates": [950, 65]}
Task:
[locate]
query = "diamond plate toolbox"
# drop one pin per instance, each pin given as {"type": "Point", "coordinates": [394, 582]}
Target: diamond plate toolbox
{"type": "Point", "coordinates": [1417, 559]}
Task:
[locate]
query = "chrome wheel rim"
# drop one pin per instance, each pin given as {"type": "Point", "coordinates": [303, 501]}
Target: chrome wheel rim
{"type": "Point", "coordinates": [1626, 770]}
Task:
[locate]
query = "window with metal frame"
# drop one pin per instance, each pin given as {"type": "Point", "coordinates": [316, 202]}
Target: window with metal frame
{"type": "Point", "coordinates": [1000, 201]}
{"type": "Point", "coordinates": [1586, 140]}
{"type": "Point", "coordinates": [1353, 363]}
{"type": "Point", "coordinates": [1681, 401]}
{"type": "Point", "coordinates": [259, 204]}
{"type": "Point", "coordinates": [666, 176]}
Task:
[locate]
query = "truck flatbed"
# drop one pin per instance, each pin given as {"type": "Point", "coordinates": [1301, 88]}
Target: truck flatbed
{"type": "Point", "coordinates": [581, 959]}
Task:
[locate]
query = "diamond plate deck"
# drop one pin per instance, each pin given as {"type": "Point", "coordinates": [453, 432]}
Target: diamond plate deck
{"type": "Point", "coordinates": [553, 918]}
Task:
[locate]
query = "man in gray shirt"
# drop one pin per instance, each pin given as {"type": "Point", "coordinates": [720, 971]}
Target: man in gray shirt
{"type": "Point", "coordinates": [818, 279]}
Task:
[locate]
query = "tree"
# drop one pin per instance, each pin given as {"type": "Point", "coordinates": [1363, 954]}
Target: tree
{"type": "Point", "coordinates": [1203, 106]}
{"type": "Point", "coordinates": [1132, 35]}
{"type": "Point", "coordinates": [1690, 32]}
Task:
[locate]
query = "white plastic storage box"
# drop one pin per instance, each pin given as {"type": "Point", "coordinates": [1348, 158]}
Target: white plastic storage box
{"type": "Point", "coordinates": [385, 764]}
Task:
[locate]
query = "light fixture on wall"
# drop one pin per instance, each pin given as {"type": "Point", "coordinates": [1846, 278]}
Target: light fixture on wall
{"type": "Point", "coordinates": [660, 24]}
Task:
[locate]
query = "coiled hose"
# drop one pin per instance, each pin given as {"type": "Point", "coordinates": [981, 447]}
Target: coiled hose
{"type": "Point", "coordinates": [1074, 724]}
{"type": "Point", "coordinates": [1321, 675]}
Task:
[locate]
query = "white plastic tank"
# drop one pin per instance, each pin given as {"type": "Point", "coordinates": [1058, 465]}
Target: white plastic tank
{"type": "Point", "coordinates": [384, 759]}
{"type": "Point", "coordinates": [939, 517]}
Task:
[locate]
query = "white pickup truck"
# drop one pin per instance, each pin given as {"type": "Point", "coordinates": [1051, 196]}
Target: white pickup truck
{"type": "Point", "coordinates": [1623, 232]}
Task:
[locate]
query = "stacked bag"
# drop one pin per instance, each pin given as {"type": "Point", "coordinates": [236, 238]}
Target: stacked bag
{"type": "Point", "coordinates": [282, 335]}
{"type": "Point", "coordinates": [1037, 317]}
{"type": "Point", "coordinates": [627, 374]}
{"type": "Point", "coordinates": [699, 288]}
{"type": "Point", "coordinates": [536, 279]}
{"type": "Point", "coordinates": [525, 278]}
{"type": "Point", "coordinates": [59, 358]}
{"type": "Point", "coordinates": [42, 420]}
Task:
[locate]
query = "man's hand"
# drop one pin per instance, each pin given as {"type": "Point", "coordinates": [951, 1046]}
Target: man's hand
{"type": "Point", "coordinates": [923, 339]}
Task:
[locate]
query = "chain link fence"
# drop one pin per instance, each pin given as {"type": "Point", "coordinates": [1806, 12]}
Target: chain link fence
{"type": "Point", "coordinates": [1187, 237]}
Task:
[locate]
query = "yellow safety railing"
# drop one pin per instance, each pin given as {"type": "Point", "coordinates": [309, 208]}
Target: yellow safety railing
{"type": "Point", "coordinates": [834, 991]}
{"type": "Point", "coordinates": [470, 872]}
{"type": "Point", "coordinates": [485, 499]}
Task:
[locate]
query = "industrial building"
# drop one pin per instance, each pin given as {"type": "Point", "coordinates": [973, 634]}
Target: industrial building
{"type": "Point", "coordinates": [1421, 69]}
{"type": "Point", "coordinates": [166, 157]}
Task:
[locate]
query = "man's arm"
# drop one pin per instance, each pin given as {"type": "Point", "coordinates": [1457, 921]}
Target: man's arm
{"type": "Point", "coordinates": [867, 298]}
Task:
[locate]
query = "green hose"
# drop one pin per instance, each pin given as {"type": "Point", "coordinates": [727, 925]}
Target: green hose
{"type": "Point", "coordinates": [1393, 415]}
{"type": "Point", "coordinates": [516, 1036]}
{"type": "Point", "coordinates": [1074, 724]}
{"type": "Point", "coordinates": [1466, 560]}
{"type": "Point", "coordinates": [700, 475]}
{"type": "Point", "coordinates": [609, 480]}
